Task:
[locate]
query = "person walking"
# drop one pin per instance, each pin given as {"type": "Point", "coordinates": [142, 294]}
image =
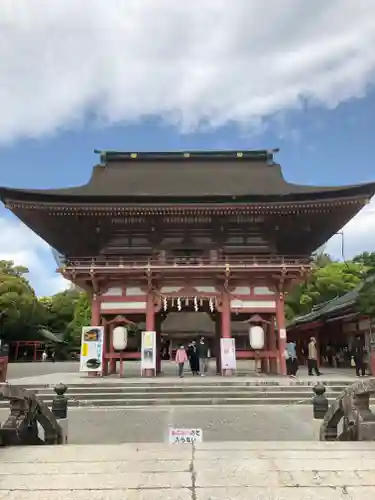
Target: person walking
{"type": "Point", "coordinates": [193, 358]}
{"type": "Point", "coordinates": [181, 358]}
{"type": "Point", "coordinates": [202, 350]}
{"type": "Point", "coordinates": [312, 361]}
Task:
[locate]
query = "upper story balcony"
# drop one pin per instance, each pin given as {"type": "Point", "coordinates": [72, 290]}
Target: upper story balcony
{"type": "Point", "coordinates": [114, 264]}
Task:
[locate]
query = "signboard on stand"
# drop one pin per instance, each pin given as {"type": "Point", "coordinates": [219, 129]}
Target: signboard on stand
{"type": "Point", "coordinates": [228, 353]}
{"type": "Point", "coordinates": [92, 349]}
{"type": "Point", "coordinates": [148, 352]}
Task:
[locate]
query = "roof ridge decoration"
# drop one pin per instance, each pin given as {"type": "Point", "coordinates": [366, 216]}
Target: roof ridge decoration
{"type": "Point", "coordinates": [262, 155]}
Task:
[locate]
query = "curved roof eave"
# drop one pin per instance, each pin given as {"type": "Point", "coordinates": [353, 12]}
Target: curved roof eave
{"type": "Point", "coordinates": [81, 195]}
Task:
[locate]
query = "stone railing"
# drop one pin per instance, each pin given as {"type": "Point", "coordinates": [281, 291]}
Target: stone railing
{"type": "Point", "coordinates": [27, 411]}
{"type": "Point", "coordinates": [349, 418]}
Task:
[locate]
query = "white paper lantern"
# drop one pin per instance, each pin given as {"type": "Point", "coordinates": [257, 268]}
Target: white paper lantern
{"type": "Point", "coordinates": [120, 338]}
{"type": "Point", "coordinates": [256, 337]}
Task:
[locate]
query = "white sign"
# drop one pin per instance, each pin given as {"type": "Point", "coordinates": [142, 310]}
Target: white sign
{"type": "Point", "coordinates": [185, 436]}
{"type": "Point", "coordinates": [148, 352]}
{"type": "Point", "coordinates": [92, 349]}
{"type": "Point", "coordinates": [282, 333]}
{"type": "Point", "coordinates": [228, 353]}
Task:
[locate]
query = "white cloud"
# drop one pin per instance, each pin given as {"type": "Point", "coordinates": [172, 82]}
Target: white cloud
{"type": "Point", "coordinates": [195, 63]}
{"type": "Point", "coordinates": [20, 244]}
{"type": "Point", "coordinates": [358, 235]}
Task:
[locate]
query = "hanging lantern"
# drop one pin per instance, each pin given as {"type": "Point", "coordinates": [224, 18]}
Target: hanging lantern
{"type": "Point", "coordinates": [120, 338]}
{"type": "Point", "coordinates": [256, 337]}
{"type": "Point", "coordinates": [165, 304]}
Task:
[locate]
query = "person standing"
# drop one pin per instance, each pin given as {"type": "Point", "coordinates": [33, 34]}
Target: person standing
{"type": "Point", "coordinates": [359, 357]}
{"type": "Point", "coordinates": [44, 356]}
{"type": "Point", "coordinates": [312, 361]}
{"type": "Point", "coordinates": [193, 358]}
{"type": "Point", "coordinates": [202, 351]}
{"type": "Point", "coordinates": [181, 358]}
{"type": "Point", "coordinates": [291, 360]}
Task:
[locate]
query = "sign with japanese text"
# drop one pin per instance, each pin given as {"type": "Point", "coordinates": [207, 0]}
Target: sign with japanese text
{"type": "Point", "coordinates": [148, 351]}
{"type": "Point", "coordinates": [228, 353]}
{"type": "Point", "coordinates": [92, 349]}
{"type": "Point", "coordinates": [185, 436]}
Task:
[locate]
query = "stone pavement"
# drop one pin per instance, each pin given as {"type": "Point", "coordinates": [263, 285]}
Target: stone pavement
{"type": "Point", "coordinates": [68, 372]}
{"type": "Point", "coordinates": [208, 471]}
{"type": "Point", "coordinates": [229, 423]}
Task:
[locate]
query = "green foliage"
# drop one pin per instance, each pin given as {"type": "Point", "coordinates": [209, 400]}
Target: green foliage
{"type": "Point", "coordinates": [19, 307]}
{"type": "Point", "coordinates": [81, 317]}
{"type": "Point", "coordinates": [325, 283]}
{"type": "Point", "coordinates": [59, 310]}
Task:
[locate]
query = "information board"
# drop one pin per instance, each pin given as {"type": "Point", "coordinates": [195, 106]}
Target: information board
{"type": "Point", "coordinates": [148, 351]}
{"type": "Point", "coordinates": [228, 353]}
{"type": "Point", "coordinates": [185, 436]}
{"type": "Point", "coordinates": [92, 349]}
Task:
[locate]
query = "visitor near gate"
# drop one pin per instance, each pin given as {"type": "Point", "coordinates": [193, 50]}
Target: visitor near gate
{"type": "Point", "coordinates": [291, 359]}
{"type": "Point", "coordinates": [181, 358]}
{"type": "Point", "coordinates": [44, 356]}
{"type": "Point", "coordinates": [193, 358]}
{"type": "Point", "coordinates": [312, 361]}
{"type": "Point", "coordinates": [359, 358]}
{"type": "Point", "coordinates": [203, 357]}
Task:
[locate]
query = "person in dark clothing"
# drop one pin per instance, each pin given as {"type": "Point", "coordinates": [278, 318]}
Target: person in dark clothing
{"type": "Point", "coordinates": [193, 358]}
{"type": "Point", "coordinates": [359, 355]}
{"type": "Point", "coordinates": [202, 351]}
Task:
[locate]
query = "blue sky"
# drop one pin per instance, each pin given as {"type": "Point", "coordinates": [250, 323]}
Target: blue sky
{"type": "Point", "coordinates": [56, 111]}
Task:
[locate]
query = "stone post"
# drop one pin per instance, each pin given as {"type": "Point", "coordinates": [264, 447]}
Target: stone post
{"type": "Point", "coordinates": [60, 410]}
{"type": "Point", "coordinates": [319, 401]}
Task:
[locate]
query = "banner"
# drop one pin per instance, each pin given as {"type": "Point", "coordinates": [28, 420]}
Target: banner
{"type": "Point", "coordinates": [92, 349]}
{"type": "Point", "coordinates": [148, 352]}
{"type": "Point", "coordinates": [228, 353]}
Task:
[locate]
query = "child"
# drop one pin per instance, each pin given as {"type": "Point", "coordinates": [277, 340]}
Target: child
{"type": "Point", "coordinates": [181, 358]}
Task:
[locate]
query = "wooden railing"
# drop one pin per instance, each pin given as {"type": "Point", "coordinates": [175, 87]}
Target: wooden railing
{"type": "Point", "coordinates": [159, 262]}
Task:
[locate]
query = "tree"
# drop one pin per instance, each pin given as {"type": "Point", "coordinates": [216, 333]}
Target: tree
{"type": "Point", "coordinates": [59, 310]}
{"type": "Point", "coordinates": [366, 297]}
{"type": "Point", "coordinates": [19, 308]}
{"type": "Point", "coordinates": [367, 259]}
{"type": "Point", "coordinates": [324, 284]}
{"type": "Point", "coordinates": [82, 317]}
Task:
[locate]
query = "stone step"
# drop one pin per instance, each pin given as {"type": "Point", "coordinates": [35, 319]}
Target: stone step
{"type": "Point", "coordinates": [198, 382]}
{"type": "Point", "coordinates": [242, 470]}
{"type": "Point", "coordinates": [187, 401]}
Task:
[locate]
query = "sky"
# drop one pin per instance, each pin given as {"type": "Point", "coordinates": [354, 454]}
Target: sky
{"type": "Point", "coordinates": [140, 75]}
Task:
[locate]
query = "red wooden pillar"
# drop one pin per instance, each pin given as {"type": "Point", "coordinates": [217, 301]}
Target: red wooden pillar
{"type": "Point", "coordinates": [158, 344]}
{"type": "Point", "coordinates": [225, 324]}
{"type": "Point", "coordinates": [272, 346]}
{"type": "Point", "coordinates": [217, 346]}
{"type": "Point", "coordinates": [150, 326]}
{"type": "Point", "coordinates": [280, 320]}
{"type": "Point", "coordinates": [113, 361]}
{"type": "Point", "coordinates": [95, 320]}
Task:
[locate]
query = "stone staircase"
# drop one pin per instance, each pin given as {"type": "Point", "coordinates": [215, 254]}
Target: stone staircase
{"type": "Point", "coordinates": [189, 392]}
{"type": "Point", "coordinates": [241, 470]}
